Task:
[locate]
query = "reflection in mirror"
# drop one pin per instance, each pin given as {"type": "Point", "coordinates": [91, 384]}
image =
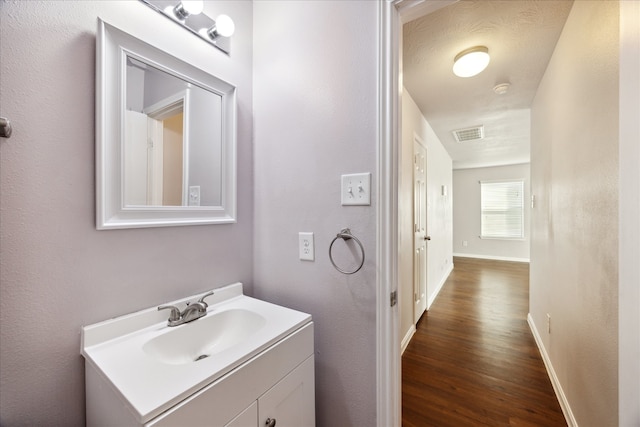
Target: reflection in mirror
{"type": "Point", "coordinates": [166, 136]}
{"type": "Point", "coordinates": [172, 147]}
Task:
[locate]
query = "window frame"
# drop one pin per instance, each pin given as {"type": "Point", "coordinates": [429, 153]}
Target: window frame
{"type": "Point", "coordinates": [514, 207]}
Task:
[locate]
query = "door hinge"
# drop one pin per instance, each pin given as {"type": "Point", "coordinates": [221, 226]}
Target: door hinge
{"type": "Point", "coordinates": [394, 298]}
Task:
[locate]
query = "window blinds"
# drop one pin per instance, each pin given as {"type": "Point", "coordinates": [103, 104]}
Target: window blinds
{"type": "Point", "coordinates": [502, 209]}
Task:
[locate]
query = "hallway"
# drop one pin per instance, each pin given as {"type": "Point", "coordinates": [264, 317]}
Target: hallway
{"type": "Point", "coordinates": [473, 360]}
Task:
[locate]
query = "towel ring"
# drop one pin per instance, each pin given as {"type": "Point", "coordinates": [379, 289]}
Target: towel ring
{"type": "Point", "coordinates": [345, 234]}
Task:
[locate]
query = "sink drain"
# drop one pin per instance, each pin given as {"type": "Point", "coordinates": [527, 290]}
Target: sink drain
{"type": "Point", "coordinates": [204, 356]}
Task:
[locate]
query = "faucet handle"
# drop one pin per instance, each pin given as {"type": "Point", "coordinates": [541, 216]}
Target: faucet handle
{"type": "Point", "coordinates": [175, 312]}
{"type": "Point", "coordinates": [201, 300]}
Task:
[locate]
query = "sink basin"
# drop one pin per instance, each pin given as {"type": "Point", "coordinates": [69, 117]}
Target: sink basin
{"type": "Point", "coordinates": [153, 367]}
{"type": "Point", "coordinates": [204, 337]}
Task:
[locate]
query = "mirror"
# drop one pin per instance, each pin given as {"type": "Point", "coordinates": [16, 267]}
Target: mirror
{"type": "Point", "coordinates": [172, 141]}
{"type": "Point", "coordinates": [166, 145]}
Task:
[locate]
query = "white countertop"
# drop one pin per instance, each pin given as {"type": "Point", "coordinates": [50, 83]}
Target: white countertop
{"type": "Point", "coordinates": [149, 386]}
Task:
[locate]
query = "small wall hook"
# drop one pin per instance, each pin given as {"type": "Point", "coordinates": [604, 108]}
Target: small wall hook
{"type": "Point", "coordinates": [5, 127]}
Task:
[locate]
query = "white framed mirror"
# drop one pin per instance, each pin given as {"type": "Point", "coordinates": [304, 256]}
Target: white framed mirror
{"type": "Point", "coordinates": [165, 138]}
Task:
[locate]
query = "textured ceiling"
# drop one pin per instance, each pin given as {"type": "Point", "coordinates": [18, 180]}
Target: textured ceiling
{"type": "Point", "coordinates": [521, 36]}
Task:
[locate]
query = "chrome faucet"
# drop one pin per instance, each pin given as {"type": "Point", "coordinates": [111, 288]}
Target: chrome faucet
{"type": "Point", "coordinates": [192, 312]}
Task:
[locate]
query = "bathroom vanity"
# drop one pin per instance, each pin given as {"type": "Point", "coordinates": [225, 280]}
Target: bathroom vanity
{"type": "Point", "coordinates": [245, 363]}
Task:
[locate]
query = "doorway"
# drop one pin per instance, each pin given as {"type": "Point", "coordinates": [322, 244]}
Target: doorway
{"type": "Point", "coordinates": [392, 14]}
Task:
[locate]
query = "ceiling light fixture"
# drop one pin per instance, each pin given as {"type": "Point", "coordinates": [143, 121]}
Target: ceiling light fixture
{"type": "Point", "coordinates": [471, 61]}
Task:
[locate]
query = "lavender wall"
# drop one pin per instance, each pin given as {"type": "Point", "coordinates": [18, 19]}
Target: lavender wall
{"type": "Point", "coordinates": [315, 115]}
{"type": "Point", "coordinates": [57, 272]}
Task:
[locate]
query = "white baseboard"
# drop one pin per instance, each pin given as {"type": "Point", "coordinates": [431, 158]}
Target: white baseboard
{"type": "Point", "coordinates": [444, 278]}
{"type": "Point", "coordinates": [412, 329]}
{"type": "Point", "coordinates": [498, 258]}
{"type": "Point", "coordinates": [562, 398]}
{"type": "Point", "coordinates": [407, 338]}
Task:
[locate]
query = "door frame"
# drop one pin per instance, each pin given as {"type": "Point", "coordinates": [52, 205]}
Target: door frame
{"type": "Point", "coordinates": [161, 110]}
{"type": "Point", "coordinates": [391, 15]}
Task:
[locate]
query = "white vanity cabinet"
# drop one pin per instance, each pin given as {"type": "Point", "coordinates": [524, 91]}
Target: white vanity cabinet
{"type": "Point", "coordinates": [277, 384]}
{"type": "Point", "coordinates": [244, 363]}
{"type": "Point", "coordinates": [248, 417]}
{"type": "Point", "coordinates": [288, 403]}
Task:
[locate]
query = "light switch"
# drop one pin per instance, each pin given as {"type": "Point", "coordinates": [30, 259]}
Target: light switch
{"type": "Point", "coordinates": [194, 195]}
{"type": "Point", "coordinates": [356, 189]}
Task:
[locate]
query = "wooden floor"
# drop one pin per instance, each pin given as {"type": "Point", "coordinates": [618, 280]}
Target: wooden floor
{"type": "Point", "coordinates": [473, 360]}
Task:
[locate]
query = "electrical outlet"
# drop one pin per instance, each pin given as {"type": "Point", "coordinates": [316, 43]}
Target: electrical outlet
{"type": "Point", "coordinates": [305, 246]}
{"type": "Point", "coordinates": [356, 189]}
{"type": "Point", "coordinates": [194, 195]}
{"type": "Point", "coordinates": [465, 243]}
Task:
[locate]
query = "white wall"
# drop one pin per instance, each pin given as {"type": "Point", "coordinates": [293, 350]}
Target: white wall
{"type": "Point", "coordinates": [439, 211]}
{"type": "Point", "coordinates": [574, 177]}
{"type": "Point", "coordinates": [57, 272]}
{"type": "Point", "coordinates": [466, 214]}
{"type": "Point", "coordinates": [315, 118]}
{"type": "Point", "coordinates": [629, 293]}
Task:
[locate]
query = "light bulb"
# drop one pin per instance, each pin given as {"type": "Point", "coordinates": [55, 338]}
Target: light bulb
{"type": "Point", "coordinates": [225, 26]}
{"type": "Point", "coordinates": [193, 7]}
{"type": "Point", "coordinates": [188, 7]}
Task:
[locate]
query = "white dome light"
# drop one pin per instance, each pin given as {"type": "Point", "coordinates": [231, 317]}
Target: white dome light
{"type": "Point", "coordinates": [470, 62]}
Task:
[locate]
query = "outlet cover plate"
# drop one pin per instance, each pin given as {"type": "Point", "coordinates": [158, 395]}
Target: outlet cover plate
{"type": "Point", "coordinates": [356, 189]}
{"type": "Point", "coordinates": [305, 246]}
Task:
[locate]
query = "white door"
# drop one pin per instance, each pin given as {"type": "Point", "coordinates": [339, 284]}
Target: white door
{"type": "Point", "coordinates": [155, 172]}
{"type": "Point", "coordinates": [135, 159]}
{"type": "Point", "coordinates": [420, 229]}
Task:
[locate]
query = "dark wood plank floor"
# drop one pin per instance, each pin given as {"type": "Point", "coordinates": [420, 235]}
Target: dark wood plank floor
{"type": "Point", "coordinates": [473, 360]}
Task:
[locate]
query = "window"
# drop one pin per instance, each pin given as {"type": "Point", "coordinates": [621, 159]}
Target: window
{"type": "Point", "coordinates": [502, 209]}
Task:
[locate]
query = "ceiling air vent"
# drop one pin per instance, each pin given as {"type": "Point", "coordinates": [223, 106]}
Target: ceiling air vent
{"type": "Point", "coordinates": [469, 134]}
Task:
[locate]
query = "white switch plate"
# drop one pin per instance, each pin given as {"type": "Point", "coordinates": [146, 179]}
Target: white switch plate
{"type": "Point", "coordinates": [305, 246]}
{"type": "Point", "coordinates": [356, 189]}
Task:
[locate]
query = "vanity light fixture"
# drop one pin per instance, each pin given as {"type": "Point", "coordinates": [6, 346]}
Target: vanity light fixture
{"type": "Point", "coordinates": [188, 7]}
{"type": "Point", "coordinates": [189, 14]}
{"type": "Point", "coordinates": [471, 61]}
